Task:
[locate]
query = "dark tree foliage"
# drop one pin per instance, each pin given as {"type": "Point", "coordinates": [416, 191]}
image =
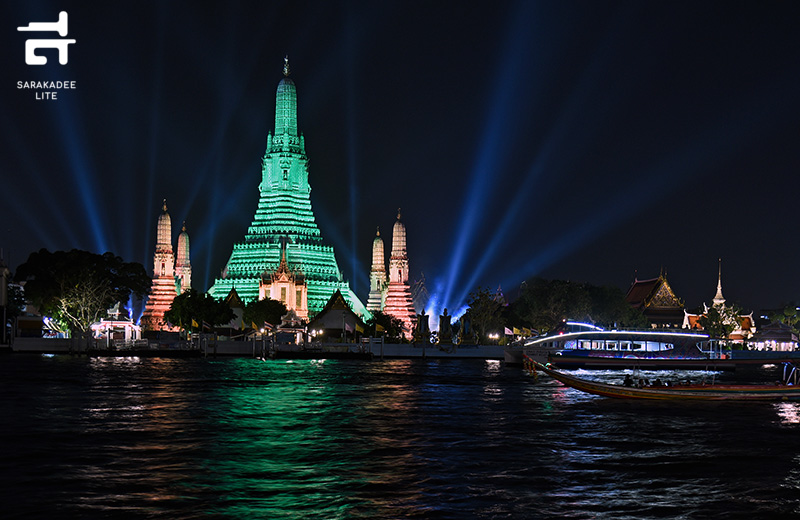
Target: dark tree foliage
{"type": "Point", "coordinates": [392, 327]}
{"type": "Point", "coordinates": [544, 304]}
{"type": "Point", "coordinates": [485, 313]}
{"type": "Point", "coordinates": [719, 322]}
{"type": "Point", "coordinates": [190, 309]}
{"type": "Point", "coordinates": [260, 311]}
{"type": "Point", "coordinates": [77, 287]}
{"type": "Point", "coordinates": [16, 301]}
{"type": "Point", "coordinates": [789, 315]}
{"type": "Point", "coordinates": [609, 308]}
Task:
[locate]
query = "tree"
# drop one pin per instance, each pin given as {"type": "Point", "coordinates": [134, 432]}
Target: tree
{"type": "Point", "coordinates": [266, 310]}
{"type": "Point", "coordinates": [16, 301]}
{"type": "Point", "coordinates": [790, 315]}
{"type": "Point", "coordinates": [545, 304]}
{"type": "Point", "coordinates": [609, 308]}
{"type": "Point", "coordinates": [77, 287]}
{"type": "Point", "coordinates": [485, 313]}
{"type": "Point", "coordinates": [720, 321]}
{"type": "Point", "coordinates": [192, 307]}
{"type": "Point", "coordinates": [392, 327]}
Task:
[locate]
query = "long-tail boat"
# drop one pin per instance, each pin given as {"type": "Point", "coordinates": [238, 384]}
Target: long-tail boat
{"type": "Point", "coordinates": [788, 390]}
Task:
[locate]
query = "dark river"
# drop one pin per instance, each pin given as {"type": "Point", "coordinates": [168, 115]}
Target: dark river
{"type": "Point", "coordinates": [251, 439]}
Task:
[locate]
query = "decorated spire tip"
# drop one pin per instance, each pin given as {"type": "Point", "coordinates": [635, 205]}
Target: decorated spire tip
{"type": "Point", "coordinates": [183, 227]}
{"type": "Point", "coordinates": [164, 206]}
{"type": "Point", "coordinates": [286, 70]}
{"type": "Point", "coordinates": [398, 213]}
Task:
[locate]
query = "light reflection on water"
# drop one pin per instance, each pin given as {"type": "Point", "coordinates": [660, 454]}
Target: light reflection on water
{"type": "Point", "coordinates": [244, 438]}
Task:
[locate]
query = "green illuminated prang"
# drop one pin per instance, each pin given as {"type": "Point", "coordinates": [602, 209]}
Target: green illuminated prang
{"type": "Point", "coordinates": [284, 215]}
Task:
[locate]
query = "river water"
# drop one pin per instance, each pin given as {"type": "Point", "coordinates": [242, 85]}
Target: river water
{"type": "Point", "coordinates": [247, 439]}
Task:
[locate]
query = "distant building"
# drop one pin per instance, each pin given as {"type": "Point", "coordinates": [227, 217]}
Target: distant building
{"type": "Point", "coordinates": [775, 336]}
{"type": "Point", "coordinates": [419, 293]}
{"type": "Point", "coordinates": [744, 324]}
{"type": "Point", "coordinates": [116, 327]}
{"type": "Point", "coordinates": [657, 301]}
{"type": "Point", "coordinates": [336, 320]}
{"type": "Point", "coordinates": [237, 306]}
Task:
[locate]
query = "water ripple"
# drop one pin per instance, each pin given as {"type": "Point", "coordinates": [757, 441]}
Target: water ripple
{"type": "Point", "coordinates": [242, 439]}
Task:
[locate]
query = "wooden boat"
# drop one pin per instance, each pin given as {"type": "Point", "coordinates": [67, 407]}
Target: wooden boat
{"type": "Point", "coordinates": [705, 392]}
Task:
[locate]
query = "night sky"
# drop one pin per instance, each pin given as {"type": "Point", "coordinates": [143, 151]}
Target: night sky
{"type": "Point", "coordinates": [587, 141]}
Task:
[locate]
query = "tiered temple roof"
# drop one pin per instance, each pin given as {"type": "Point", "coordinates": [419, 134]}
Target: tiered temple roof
{"type": "Point", "coordinates": [657, 301]}
{"type": "Point", "coordinates": [284, 212]}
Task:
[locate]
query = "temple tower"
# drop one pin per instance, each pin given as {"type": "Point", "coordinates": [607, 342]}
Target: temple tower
{"type": "Point", "coordinates": [398, 295]}
{"type": "Point", "coordinates": [377, 275]}
{"type": "Point", "coordinates": [183, 266]}
{"type": "Point", "coordinates": [162, 291]}
{"type": "Point", "coordinates": [719, 300]}
{"type": "Point", "coordinates": [284, 211]}
{"type": "Point", "coordinates": [287, 286]}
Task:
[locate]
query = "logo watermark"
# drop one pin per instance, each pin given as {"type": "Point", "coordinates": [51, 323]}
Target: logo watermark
{"type": "Point", "coordinates": [47, 89]}
{"type": "Point", "coordinates": [61, 27]}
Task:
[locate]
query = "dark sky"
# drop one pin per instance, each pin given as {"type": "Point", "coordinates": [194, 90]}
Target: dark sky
{"type": "Point", "coordinates": [577, 140]}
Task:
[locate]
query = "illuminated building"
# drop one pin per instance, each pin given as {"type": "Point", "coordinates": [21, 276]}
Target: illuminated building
{"type": "Point", "coordinates": [287, 286]}
{"type": "Point", "coordinates": [284, 226]}
{"type": "Point", "coordinates": [183, 267]}
{"type": "Point", "coordinates": [657, 301]}
{"type": "Point", "coordinates": [775, 336]}
{"type": "Point", "coordinates": [377, 275]}
{"type": "Point", "coordinates": [162, 290]}
{"type": "Point", "coordinates": [398, 301]}
{"type": "Point", "coordinates": [336, 319]}
{"type": "Point", "coordinates": [743, 325]}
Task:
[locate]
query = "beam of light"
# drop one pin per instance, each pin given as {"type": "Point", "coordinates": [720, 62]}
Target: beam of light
{"type": "Point", "coordinates": [225, 200]}
{"type": "Point", "coordinates": [73, 131]}
{"type": "Point", "coordinates": [352, 156]}
{"type": "Point", "coordinates": [700, 153]}
{"type": "Point", "coordinates": [491, 154]}
{"type": "Point", "coordinates": [223, 205]}
{"type": "Point", "coordinates": [435, 306]}
{"type": "Point", "coordinates": [152, 201]}
{"type": "Point", "coordinates": [571, 127]}
{"type": "Point", "coordinates": [51, 232]}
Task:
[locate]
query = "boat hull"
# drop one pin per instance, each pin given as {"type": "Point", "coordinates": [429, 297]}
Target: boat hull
{"type": "Point", "coordinates": [567, 360]}
{"type": "Point", "coordinates": [760, 392]}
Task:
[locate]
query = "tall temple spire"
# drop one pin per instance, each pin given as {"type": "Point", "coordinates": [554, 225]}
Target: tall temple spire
{"type": "Point", "coordinates": [399, 302]}
{"type": "Point", "coordinates": [183, 266]}
{"type": "Point", "coordinates": [284, 210]}
{"type": "Point", "coordinates": [286, 107]}
{"type": "Point", "coordinates": [377, 275]}
{"type": "Point", "coordinates": [162, 290]}
{"type": "Point", "coordinates": [164, 231]}
{"type": "Point", "coordinates": [719, 300]}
